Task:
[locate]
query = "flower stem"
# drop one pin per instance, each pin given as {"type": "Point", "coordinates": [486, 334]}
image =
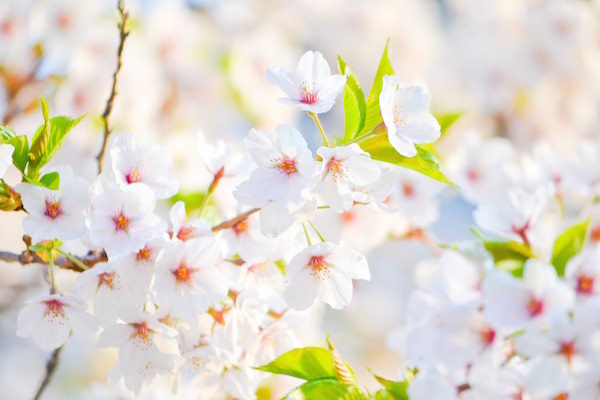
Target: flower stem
{"type": "Point", "coordinates": [213, 185]}
{"type": "Point", "coordinates": [306, 234]}
{"type": "Point", "coordinates": [315, 117]}
{"type": "Point", "coordinates": [52, 281]}
{"type": "Point", "coordinates": [317, 231]}
{"type": "Point", "coordinates": [74, 260]}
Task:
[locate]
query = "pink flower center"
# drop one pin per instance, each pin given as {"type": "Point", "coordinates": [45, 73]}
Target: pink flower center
{"type": "Point", "coordinates": [54, 308]}
{"type": "Point", "coordinates": [183, 274]}
{"type": "Point", "coordinates": [241, 227]}
{"type": "Point", "coordinates": [535, 307]}
{"type": "Point", "coordinates": [472, 174]}
{"type": "Point", "coordinates": [287, 165]}
{"type": "Point", "coordinates": [53, 209]}
{"type": "Point", "coordinates": [399, 116]}
{"type": "Point", "coordinates": [121, 222]}
{"type": "Point", "coordinates": [186, 232]}
{"type": "Point", "coordinates": [318, 267]}
{"type": "Point", "coordinates": [522, 232]}
{"type": "Point", "coordinates": [144, 254]}
{"type": "Point", "coordinates": [595, 234]}
{"type": "Point", "coordinates": [133, 176]}
{"type": "Point", "coordinates": [308, 95]}
{"type": "Point", "coordinates": [106, 278]}
{"type": "Point", "coordinates": [585, 284]}
{"type": "Point", "coordinates": [568, 350]}
{"type": "Point", "coordinates": [142, 331]}
{"type": "Point", "coordinates": [336, 168]}
{"type": "Point", "coordinates": [487, 335]}
{"type": "Point", "coordinates": [408, 189]}
{"type": "Point", "coordinates": [8, 27]}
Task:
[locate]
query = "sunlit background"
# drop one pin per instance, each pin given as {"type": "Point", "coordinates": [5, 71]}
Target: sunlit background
{"type": "Point", "coordinates": [526, 70]}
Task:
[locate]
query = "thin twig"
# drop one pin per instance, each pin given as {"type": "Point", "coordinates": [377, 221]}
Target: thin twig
{"type": "Point", "coordinates": [231, 222]}
{"type": "Point", "coordinates": [27, 257]}
{"type": "Point", "coordinates": [50, 369]}
{"type": "Point", "coordinates": [123, 33]}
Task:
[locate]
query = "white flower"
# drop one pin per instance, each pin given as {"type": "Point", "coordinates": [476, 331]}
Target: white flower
{"type": "Point", "coordinates": [184, 230]}
{"type": "Point", "coordinates": [6, 152]}
{"type": "Point", "coordinates": [311, 86]}
{"type": "Point", "coordinates": [146, 347]}
{"type": "Point", "coordinates": [429, 385]}
{"type": "Point", "coordinates": [55, 213]}
{"type": "Point", "coordinates": [342, 169]}
{"type": "Point", "coordinates": [131, 163]}
{"type": "Point", "coordinates": [245, 239]}
{"type": "Point", "coordinates": [103, 283]}
{"type": "Point", "coordinates": [137, 269]}
{"type": "Point", "coordinates": [49, 319]}
{"type": "Point", "coordinates": [404, 112]}
{"type": "Point", "coordinates": [187, 280]}
{"type": "Point", "coordinates": [218, 155]}
{"type": "Point", "coordinates": [122, 221]}
{"type": "Point", "coordinates": [513, 303]}
{"type": "Point", "coordinates": [325, 271]}
{"type": "Point", "coordinates": [279, 185]}
{"type": "Point", "coordinates": [518, 218]}
{"type": "Point", "coordinates": [583, 273]}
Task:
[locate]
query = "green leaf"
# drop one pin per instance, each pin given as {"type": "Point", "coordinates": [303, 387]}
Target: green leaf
{"type": "Point", "coordinates": [192, 200]}
{"type": "Point", "coordinates": [354, 103]}
{"type": "Point", "coordinates": [306, 363]}
{"type": "Point", "coordinates": [50, 180]}
{"type": "Point", "coordinates": [20, 154]}
{"type": "Point", "coordinates": [323, 389]}
{"type": "Point", "coordinates": [48, 139]}
{"type": "Point", "coordinates": [509, 256]}
{"type": "Point", "coordinates": [6, 133]}
{"type": "Point", "coordinates": [281, 264]}
{"type": "Point", "coordinates": [424, 162]}
{"type": "Point", "coordinates": [446, 120]}
{"type": "Point", "coordinates": [373, 114]}
{"type": "Point", "coordinates": [568, 244]}
{"type": "Point", "coordinates": [396, 389]}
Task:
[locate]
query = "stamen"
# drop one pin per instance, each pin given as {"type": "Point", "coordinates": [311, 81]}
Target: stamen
{"type": "Point", "coordinates": [182, 274]}
{"type": "Point", "coordinates": [308, 95]}
{"type": "Point", "coordinates": [287, 165]}
{"type": "Point", "coordinates": [53, 209]}
{"type": "Point", "coordinates": [121, 222]}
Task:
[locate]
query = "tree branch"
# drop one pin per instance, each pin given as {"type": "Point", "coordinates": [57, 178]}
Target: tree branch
{"type": "Point", "coordinates": [27, 257]}
{"type": "Point", "coordinates": [231, 222]}
{"type": "Point", "coordinates": [123, 33]}
{"type": "Point", "coordinates": [50, 369]}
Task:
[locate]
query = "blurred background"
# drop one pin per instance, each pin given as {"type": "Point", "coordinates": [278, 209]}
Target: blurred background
{"type": "Point", "coordinates": [524, 70]}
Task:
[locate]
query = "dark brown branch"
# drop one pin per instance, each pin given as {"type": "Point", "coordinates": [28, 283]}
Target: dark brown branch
{"type": "Point", "coordinates": [123, 33]}
{"type": "Point", "coordinates": [50, 369]}
{"type": "Point", "coordinates": [231, 222]}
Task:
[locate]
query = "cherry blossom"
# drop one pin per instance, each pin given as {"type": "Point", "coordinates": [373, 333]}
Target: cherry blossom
{"type": "Point", "coordinates": [122, 220]}
{"type": "Point", "coordinates": [6, 152]}
{"type": "Point", "coordinates": [324, 271]}
{"type": "Point", "coordinates": [280, 184]}
{"type": "Point", "coordinates": [49, 319]}
{"type": "Point", "coordinates": [343, 168]}
{"type": "Point", "coordinates": [311, 86]}
{"type": "Point", "coordinates": [404, 112]}
{"type": "Point", "coordinates": [132, 163]}
{"type": "Point", "coordinates": [56, 214]}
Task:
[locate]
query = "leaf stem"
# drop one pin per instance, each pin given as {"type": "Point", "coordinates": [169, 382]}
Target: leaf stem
{"type": "Point", "coordinates": [306, 234]}
{"type": "Point", "coordinates": [315, 117]}
{"type": "Point", "coordinates": [74, 260]}
{"type": "Point", "coordinates": [317, 231]}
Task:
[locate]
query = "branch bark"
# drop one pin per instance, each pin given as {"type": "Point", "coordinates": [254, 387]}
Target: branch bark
{"type": "Point", "coordinates": [51, 366]}
{"type": "Point", "coordinates": [27, 257]}
{"type": "Point", "coordinates": [123, 33]}
{"type": "Point", "coordinates": [231, 222]}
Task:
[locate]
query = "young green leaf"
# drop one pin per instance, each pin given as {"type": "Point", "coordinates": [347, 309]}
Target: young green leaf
{"type": "Point", "coordinates": [50, 180]}
{"type": "Point", "coordinates": [6, 133]}
{"type": "Point", "coordinates": [397, 390]}
{"type": "Point", "coordinates": [567, 245]}
{"type": "Point", "coordinates": [424, 162]}
{"type": "Point", "coordinates": [322, 389]}
{"type": "Point", "coordinates": [446, 120]}
{"type": "Point", "coordinates": [354, 103]}
{"type": "Point", "coordinates": [192, 200]}
{"type": "Point", "coordinates": [307, 363]}
{"type": "Point", "coordinates": [373, 114]}
{"type": "Point", "coordinates": [20, 154]}
{"type": "Point", "coordinates": [47, 140]}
